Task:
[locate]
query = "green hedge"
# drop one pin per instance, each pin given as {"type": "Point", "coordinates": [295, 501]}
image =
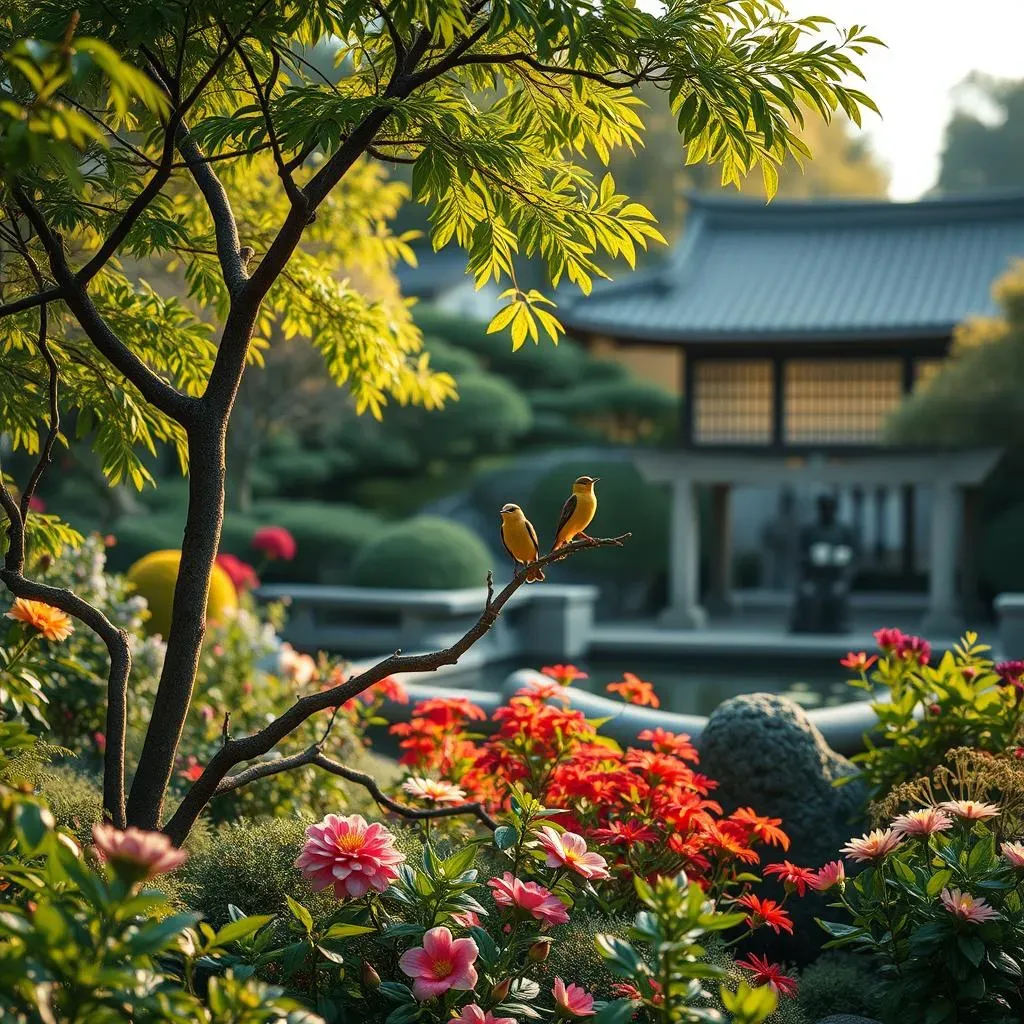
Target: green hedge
{"type": "Point", "coordinates": [425, 553]}
{"type": "Point", "coordinates": [625, 503]}
{"type": "Point", "coordinates": [450, 358]}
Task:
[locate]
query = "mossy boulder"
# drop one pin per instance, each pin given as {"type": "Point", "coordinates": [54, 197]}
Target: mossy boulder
{"type": "Point", "coordinates": [154, 577]}
{"type": "Point", "coordinates": [424, 553]}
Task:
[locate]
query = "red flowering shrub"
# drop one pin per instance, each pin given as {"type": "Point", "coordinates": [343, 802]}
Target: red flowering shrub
{"type": "Point", "coordinates": [275, 543]}
{"type": "Point", "coordinates": [647, 808]}
{"type": "Point", "coordinates": [242, 575]}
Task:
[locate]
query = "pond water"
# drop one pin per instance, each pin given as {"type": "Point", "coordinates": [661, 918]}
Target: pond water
{"type": "Point", "coordinates": [696, 686]}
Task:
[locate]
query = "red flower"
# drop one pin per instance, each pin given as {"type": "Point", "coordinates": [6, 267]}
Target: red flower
{"type": "Point", "coordinates": [101, 742]}
{"type": "Point", "coordinates": [765, 973]}
{"type": "Point", "coordinates": [859, 662]}
{"type": "Point", "coordinates": [665, 742]}
{"type": "Point", "coordinates": [896, 643]}
{"type": "Point", "coordinates": [275, 543]}
{"type": "Point", "coordinates": [36, 504]}
{"type": "Point", "coordinates": [766, 829]}
{"type": "Point", "coordinates": [242, 575]}
{"type": "Point", "coordinates": [635, 690]}
{"type": "Point", "coordinates": [792, 876]}
{"type": "Point", "coordinates": [192, 770]}
{"type": "Point", "coordinates": [767, 912]}
{"type": "Point", "coordinates": [563, 674]}
{"type": "Point", "coordinates": [1011, 673]}
{"type": "Point", "coordinates": [626, 833]}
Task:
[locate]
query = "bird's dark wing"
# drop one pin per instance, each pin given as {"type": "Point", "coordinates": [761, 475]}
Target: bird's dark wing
{"type": "Point", "coordinates": [567, 510]}
{"type": "Point", "coordinates": [508, 549]}
{"type": "Point", "coordinates": [533, 536]}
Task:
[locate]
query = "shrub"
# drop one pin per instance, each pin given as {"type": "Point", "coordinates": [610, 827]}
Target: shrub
{"type": "Point", "coordinates": [327, 538]}
{"type": "Point", "coordinates": [626, 502]}
{"type": "Point", "coordinates": [574, 953]}
{"type": "Point", "coordinates": [622, 409]}
{"type": "Point", "coordinates": [154, 577]}
{"type": "Point", "coordinates": [839, 983]}
{"type": "Point", "coordinates": [425, 553]}
{"type": "Point", "coordinates": [450, 358]}
{"type": "Point", "coordinates": [140, 535]}
{"type": "Point", "coordinates": [75, 800]}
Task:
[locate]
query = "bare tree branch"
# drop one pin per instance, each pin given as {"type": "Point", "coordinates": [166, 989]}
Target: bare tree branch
{"type": "Point", "coordinates": [248, 748]}
{"type": "Point", "coordinates": [314, 756]}
{"type": "Point", "coordinates": [31, 301]}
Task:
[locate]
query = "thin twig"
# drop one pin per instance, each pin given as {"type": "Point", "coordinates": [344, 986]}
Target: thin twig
{"type": "Point", "coordinates": [314, 756]}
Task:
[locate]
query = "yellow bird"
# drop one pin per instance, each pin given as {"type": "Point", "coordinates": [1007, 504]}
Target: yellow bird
{"type": "Point", "coordinates": [577, 512]}
{"type": "Point", "coordinates": [520, 540]}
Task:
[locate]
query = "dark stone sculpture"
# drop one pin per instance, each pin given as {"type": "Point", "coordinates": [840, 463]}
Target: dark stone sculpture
{"type": "Point", "coordinates": [827, 553]}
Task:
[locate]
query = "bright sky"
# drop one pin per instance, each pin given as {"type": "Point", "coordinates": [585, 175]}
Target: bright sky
{"type": "Point", "coordinates": [932, 45]}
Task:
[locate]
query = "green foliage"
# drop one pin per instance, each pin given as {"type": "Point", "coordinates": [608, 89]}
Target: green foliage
{"type": "Point", "coordinates": [450, 358]}
{"type": "Point", "coordinates": [625, 503]}
{"type": "Point", "coordinates": [82, 945]}
{"type": "Point", "coordinates": [618, 409]}
{"type": "Point", "coordinates": [574, 953]}
{"type": "Point", "coordinates": [942, 916]}
{"type": "Point", "coordinates": [839, 982]}
{"type": "Point", "coordinates": [139, 535]}
{"type": "Point", "coordinates": [74, 799]}
{"type": "Point", "coordinates": [669, 982]}
{"type": "Point", "coordinates": [924, 710]}
{"type": "Point", "coordinates": [425, 553]}
{"type": "Point", "coordinates": [327, 538]}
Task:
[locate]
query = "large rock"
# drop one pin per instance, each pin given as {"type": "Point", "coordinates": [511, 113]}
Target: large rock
{"type": "Point", "coordinates": [766, 754]}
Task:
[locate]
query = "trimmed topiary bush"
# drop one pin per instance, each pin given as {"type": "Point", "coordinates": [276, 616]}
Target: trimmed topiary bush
{"type": "Point", "coordinates": [425, 553]}
{"type": "Point", "coordinates": [625, 503]}
{"type": "Point", "coordinates": [154, 577]}
{"type": "Point", "coordinates": [450, 358]}
{"type": "Point", "coordinates": [327, 538]}
{"type": "Point", "coordinates": [839, 983]}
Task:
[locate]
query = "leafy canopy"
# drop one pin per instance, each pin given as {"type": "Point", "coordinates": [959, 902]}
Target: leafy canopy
{"type": "Point", "coordinates": [124, 125]}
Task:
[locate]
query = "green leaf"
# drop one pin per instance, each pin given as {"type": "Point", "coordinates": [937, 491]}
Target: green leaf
{"type": "Point", "coordinates": [938, 882]}
{"type": "Point", "coordinates": [330, 954]}
{"type": "Point", "coordinates": [396, 992]}
{"type": "Point", "coordinates": [972, 947]}
{"type": "Point", "coordinates": [505, 837]}
{"type": "Point", "coordinates": [344, 930]}
{"type": "Point", "coordinates": [619, 1011]}
{"type": "Point", "coordinates": [241, 928]}
{"type": "Point", "coordinates": [300, 913]}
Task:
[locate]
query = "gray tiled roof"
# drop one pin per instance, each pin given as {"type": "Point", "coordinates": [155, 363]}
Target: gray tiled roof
{"type": "Point", "coordinates": [815, 270]}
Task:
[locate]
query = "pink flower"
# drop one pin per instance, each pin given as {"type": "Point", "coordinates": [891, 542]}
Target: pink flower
{"type": "Point", "coordinates": [1011, 673]}
{"type": "Point", "coordinates": [440, 964]}
{"type": "Point", "coordinates": [571, 1000]}
{"type": "Point", "coordinates": [763, 972]}
{"type": "Point", "coordinates": [275, 542]}
{"type": "Point", "coordinates": [433, 791]}
{"type": "Point", "coordinates": [829, 876]}
{"type": "Point", "coordinates": [872, 846]}
{"type": "Point", "coordinates": [923, 822]}
{"type": "Point", "coordinates": [972, 810]}
{"type": "Point", "coordinates": [967, 907]}
{"type": "Point", "coordinates": [568, 850]}
{"type": "Point", "coordinates": [466, 919]}
{"type": "Point", "coordinates": [509, 891]}
{"type": "Point", "coordinates": [299, 668]}
{"type": "Point", "coordinates": [242, 575]}
{"type": "Point", "coordinates": [473, 1014]}
{"type": "Point", "coordinates": [101, 742]}
{"type": "Point", "coordinates": [896, 643]}
{"type": "Point", "coordinates": [349, 854]}
{"type": "Point", "coordinates": [36, 504]}
{"type": "Point", "coordinates": [1014, 853]}
{"type": "Point", "coordinates": [135, 852]}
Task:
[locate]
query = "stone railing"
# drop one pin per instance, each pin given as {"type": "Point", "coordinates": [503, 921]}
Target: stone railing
{"type": "Point", "coordinates": [550, 622]}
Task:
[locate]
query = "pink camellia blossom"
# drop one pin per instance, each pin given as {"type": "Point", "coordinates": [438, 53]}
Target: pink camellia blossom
{"type": "Point", "coordinates": [568, 850]}
{"type": "Point", "coordinates": [137, 853]}
{"type": "Point", "coordinates": [433, 791]}
{"type": "Point", "coordinates": [972, 810]}
{"type": "Point", "coordinates": [1014, 853]}
{"type": "Point", "coordinates": [509, 891]}
{"type": "Point", "coordinates": [353, 856]}
{"type": "Point", "coordinates": [967, 907]}
{"type": "Point", "coordinates": [472, 1013]}
{"type": "Point", "coordinates": [872, 846]}
{"type": "Point", "coordinates": [440, 964]}
{"type": "Point", "coordinates": [571, 1000]}
{"type": "Point", "coordinates": [275, 542]}
{"type": "Point", "coordinates": [829, 876]}
{"type": "Point", "coordinates": [924, 821]}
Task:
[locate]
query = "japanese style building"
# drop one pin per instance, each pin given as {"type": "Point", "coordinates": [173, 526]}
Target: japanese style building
{"type": "Point", "coordinates": [792, 331]}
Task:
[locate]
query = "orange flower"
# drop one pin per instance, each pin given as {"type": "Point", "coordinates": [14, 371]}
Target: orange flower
{"type": "Point", "coordinates": [858, 661]}
{"type": "Point", "coordinates": [563, 674]}
{"type": "Point", "coordinates": [50, 621]}
{"type": "Point", "coordinates": [635, 690]}
{"type": "Point", "coordinates": [767, 912]}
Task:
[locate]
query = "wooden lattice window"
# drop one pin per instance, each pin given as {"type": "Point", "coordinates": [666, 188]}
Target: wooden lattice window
{"type": "Point", "coordinates": [733, 401]}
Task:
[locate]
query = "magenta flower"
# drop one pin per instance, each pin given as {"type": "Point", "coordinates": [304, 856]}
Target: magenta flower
{"type": "Point", "coordinates": [925, 821]}
{"type": "Point", "coordinates": [967, 907]}
{"type": "Point", "coordinates": [509, 891]}
{"type": "Point", "coordinates": [571, 1000]}
{"type": "Point", "coordinates": [829, 876]}
{"type": "Point", "coordinates": [440, 964]}
{"type": "Point", "coordinates": [349, 854]}
{"type": "Point", "coordinates": [474, 1014]}
{"type": "Point", "coordinates": [872, 846]}
{"type": "Point", "coordinates": [896, 643]}
{"type": "Point", "coordinates": [136, 853]}
{"type": "Point", "coordinates": [568, 850]}
{"type": "Point", "coordinates": [1011, 673]}
{"type": "Point", "coordinates": [274, 542]}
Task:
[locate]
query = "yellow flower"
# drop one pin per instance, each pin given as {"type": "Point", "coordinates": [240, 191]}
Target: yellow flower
{"type": "Point", "coordinates": [50, 621]}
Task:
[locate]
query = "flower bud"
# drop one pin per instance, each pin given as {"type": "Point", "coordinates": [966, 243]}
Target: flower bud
{"type": "Point", "coordinates": [501, 990]}
{"type": "Point", "coordinates": [935, 709]}
{"type": "Point", "coordinates": [371, 979]}
{"type": "Point", "coordinates": [539, 951]}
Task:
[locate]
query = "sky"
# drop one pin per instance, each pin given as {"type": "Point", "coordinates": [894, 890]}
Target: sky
{"type": "Point", "coordinates": [932, 45]}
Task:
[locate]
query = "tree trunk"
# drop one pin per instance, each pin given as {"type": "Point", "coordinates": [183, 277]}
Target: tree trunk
{"type": "Point", "coordinates": [188, 624]}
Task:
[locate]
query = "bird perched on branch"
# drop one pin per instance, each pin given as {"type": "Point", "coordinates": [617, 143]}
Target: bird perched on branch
{"type": "Point", "coordinates": [577, 512]}
{"type": "Point", "coordinates": [520, 540]}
